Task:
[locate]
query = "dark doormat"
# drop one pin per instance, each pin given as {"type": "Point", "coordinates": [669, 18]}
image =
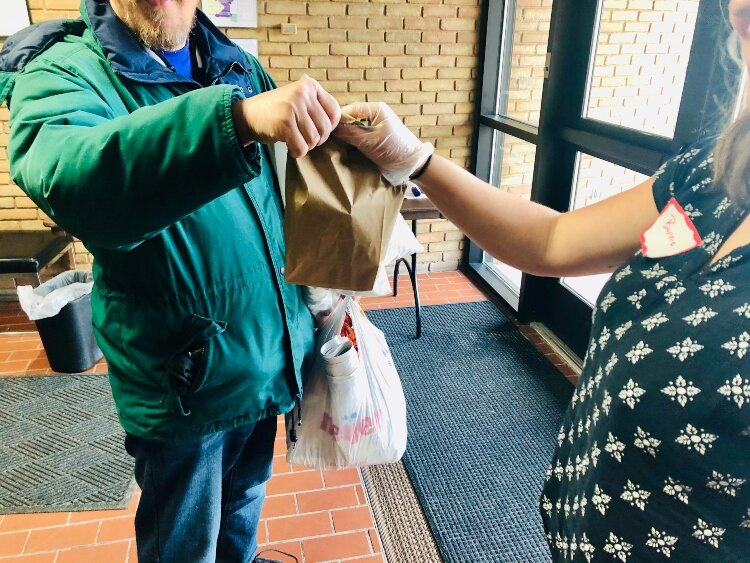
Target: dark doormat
{"type": "Point", "coordinates": [61, 446]}
{"type": "Point", "coordinates": [484, 407]}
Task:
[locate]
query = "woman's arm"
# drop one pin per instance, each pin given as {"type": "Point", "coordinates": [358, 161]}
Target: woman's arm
{"type": "Point", "coordinates": [531, 237]}
{"type": "Point", "coordinates": [535, 238]}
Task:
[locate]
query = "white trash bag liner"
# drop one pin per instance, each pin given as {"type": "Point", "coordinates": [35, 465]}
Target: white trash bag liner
{"type": "Point", "coordinates": [47, 299]}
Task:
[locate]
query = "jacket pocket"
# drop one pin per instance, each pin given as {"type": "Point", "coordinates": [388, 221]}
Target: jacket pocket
{"type": "Point", "coordinates": [188, 368]}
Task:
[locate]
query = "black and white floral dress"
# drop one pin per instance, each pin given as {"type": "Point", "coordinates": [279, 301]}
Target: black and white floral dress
{"type": "Point", "coordinates": [653, 460]}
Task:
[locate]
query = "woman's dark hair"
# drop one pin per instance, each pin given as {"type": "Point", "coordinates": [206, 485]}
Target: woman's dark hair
{"type": "Point", "coordinates": [732, 152]}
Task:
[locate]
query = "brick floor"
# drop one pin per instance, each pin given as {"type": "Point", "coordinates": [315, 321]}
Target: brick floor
{"type": "Point", "coordinates": [12, 318]}
{"type": "Point", "coordinates": [318, 516]}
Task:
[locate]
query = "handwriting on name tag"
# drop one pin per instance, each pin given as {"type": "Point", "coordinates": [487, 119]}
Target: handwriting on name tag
{"type": "Point", "coordinates": [672, 233]}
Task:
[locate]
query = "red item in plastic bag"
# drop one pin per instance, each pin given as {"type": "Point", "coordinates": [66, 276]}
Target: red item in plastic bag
{"type": "Point", "coordinates": [348, 331]}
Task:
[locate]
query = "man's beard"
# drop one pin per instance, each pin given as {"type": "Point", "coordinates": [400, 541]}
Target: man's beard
{"type": "Point", "coordinates": [149, 27]}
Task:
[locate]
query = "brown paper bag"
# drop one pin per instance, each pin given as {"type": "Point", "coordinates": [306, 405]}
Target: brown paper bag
{"type": "Point", "coordinates": [339, 217]}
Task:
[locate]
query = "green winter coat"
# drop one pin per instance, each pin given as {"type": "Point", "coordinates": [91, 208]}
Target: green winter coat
{"type": "Point", "coordinates": [190, 307]}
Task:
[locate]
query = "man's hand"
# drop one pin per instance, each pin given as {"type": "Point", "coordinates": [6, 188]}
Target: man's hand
{"type": "Point", "coordinates": [301, 114]}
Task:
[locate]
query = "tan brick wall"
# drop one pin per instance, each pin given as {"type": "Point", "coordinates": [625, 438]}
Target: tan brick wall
{"type": "Point", "coordinates": [419, 56]}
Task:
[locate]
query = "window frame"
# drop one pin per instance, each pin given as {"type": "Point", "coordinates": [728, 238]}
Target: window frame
{"type": "Point", "coordinates": [710, 85]}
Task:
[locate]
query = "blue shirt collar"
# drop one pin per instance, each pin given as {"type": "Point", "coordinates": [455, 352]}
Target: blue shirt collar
{"type": "Point", "coordinates": [181, 60]}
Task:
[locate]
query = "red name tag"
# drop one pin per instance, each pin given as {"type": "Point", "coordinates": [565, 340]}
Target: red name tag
{"type": "Point", "coordinates": [672, 233]}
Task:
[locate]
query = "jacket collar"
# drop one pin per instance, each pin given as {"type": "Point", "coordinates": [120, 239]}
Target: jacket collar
{"type": "Point", "coordinates": [23, 47]}
{"type": "Point", "coordinates": [131, 59]}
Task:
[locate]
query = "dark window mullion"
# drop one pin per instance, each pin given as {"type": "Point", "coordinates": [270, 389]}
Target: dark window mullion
{"type": "Point", "coordinates": [572, 31]}
{"type": "Point", "coordinates": [626, 135]}
{"type": "Point", "coordinates": [495, 10]}
{"type": "Point", "coordinates": [513, 127]}
{"type": "Point", "coordinates": [635, 156]}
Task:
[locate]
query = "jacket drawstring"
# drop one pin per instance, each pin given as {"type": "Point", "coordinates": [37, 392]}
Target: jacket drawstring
{"type": "Point", "coordinates": [293, 429]}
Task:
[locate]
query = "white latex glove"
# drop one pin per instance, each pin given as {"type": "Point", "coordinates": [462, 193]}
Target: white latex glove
{"type": "Point", "coordinates": [384, 139]}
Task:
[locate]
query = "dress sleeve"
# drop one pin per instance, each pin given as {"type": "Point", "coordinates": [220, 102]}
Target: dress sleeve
{"type": "Point", "coordinates": [683, 173]}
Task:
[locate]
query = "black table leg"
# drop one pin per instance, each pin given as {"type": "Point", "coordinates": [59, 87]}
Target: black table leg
{"type": "Point", "coordinates": [412, 270]}
{"type": "Point", "coordinates": [414, 256]}
{"type": "Point", "coordinates": [395, 278]}
{"type": "Point", "coordinates": [413, 278]}
{"type": "Point", "coordinates": [414, 282]}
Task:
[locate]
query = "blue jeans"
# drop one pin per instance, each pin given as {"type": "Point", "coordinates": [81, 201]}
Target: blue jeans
{"type": "Point", "coordinates": [201, 499]}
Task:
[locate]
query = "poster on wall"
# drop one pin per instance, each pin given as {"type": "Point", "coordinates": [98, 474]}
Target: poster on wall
{"type": "Point", "coordinates": [15, 16]}
{"type": "Point", "coordinates": [232, 13]}
{"type": "Point", "coordinates": [249, 45]}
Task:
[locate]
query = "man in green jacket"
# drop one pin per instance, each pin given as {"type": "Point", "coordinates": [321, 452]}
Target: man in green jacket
{"type": "Point", "coordinates": [139, 129]}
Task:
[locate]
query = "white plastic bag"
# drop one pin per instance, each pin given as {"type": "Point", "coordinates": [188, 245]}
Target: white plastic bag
{"type": "Point", "coordinates": [353, 407]}
{"type": "Point", "coordinates": [403, 243]}
{"type": "Point", "coordinates": [319, 300]}
{"type": "Point", "coordinates": [47, 299]}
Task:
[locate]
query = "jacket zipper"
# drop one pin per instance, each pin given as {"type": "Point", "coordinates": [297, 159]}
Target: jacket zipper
{"type": "Point", "coordinates": [224, 73]}
{"type": "Point", "coordinates": [293, 425]}
{"type": "Point", "coordinates": [298, 403]}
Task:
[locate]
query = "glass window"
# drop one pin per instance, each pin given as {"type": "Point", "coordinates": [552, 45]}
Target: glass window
{"type": "Point", "coordinates": [512, 172]}
{"type": "Point", "coordinates": [594, 181]}
{"type": "Point", "coordinates": [523, 61]}
{"type": "Point", "coordinates": [640, 61]}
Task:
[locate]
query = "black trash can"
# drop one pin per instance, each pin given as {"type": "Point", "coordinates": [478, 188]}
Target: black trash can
{"type": "Point", "coordinates": [68, 336]}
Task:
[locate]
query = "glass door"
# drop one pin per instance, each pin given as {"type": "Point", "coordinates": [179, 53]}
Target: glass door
{"type": "Point", "coordinates": [510, 123]}
{"type": "Point", "coordinates": [624, 86]}
{"type": "Point", "coordinates": [512, 172]}
{"type": "Point", "coordinates": [639, 64]}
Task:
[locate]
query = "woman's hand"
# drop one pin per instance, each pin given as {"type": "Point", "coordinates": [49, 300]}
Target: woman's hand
{"type": "Point", "coordinates": [376, 131]}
